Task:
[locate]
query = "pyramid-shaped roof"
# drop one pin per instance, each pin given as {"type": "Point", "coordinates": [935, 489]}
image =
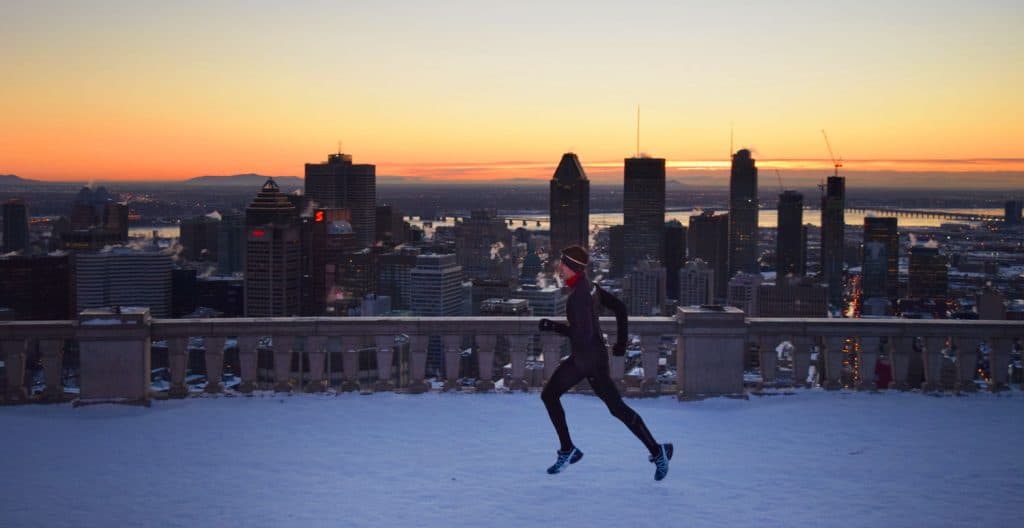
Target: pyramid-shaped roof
{"type": "Point", "coordinates": [569, 169]}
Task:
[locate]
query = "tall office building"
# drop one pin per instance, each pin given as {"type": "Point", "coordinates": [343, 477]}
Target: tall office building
{"type": "Point", "coordinates": [874, 273]}
{"type": "Point", "coordinates": [708, 239]}
{"type": "Point", "coordinates": [545, 300]}
{"type": "Point", "coordinates": [326, 236]}
{"type": "Point", "coordinates": [675, 256]}
{"type": "Point", "coordinates": [792, 297]}
{"type": "Point", "coordinates": [833, 229]}
{"type": "Point", "coordinates": [122, 276]}
{"type": "Point", "coordinates": [338, 183]}
{"type": "Point", "coordinates": [616, 251]}
{"type": "Point", "coordinates": [437, 286]}
{"type": "Point", "coordinates": [643, 210]}
{"type": "Point", "coordinates": [482, 246]}
{"type": "Point", "coordinates": [199, 237]}
{"type": "Point", "coordinates": [1012, 212]}
{"type": "Point", "coordinates": [928, 274]}
{"type": "Point", "coordinates": [743, 209]}
{"type": "Point", "coordinates": [395, 276]}
{"type": "Point", "coordinates": [115, 219]}
{"type": "Point", "coordinates": [696, 283]}
{"type": "Point", "coordinates": [645, 288]}
{"type": "Point", "coordinates": [15, 225]}
{"type": "Point", "coordinates": [392, 229]}
{"type": "Point", "coordinates": [231, 240]}
{"type": "Point", "coordinates": [743, 291]}
{"type": "Point", "coordinates": [273, 255]}
{"type": "Point", "coordinates": [791, 238]}
{"type": "Point", "coordinates": [569, 205]}
{"type": "Point", "coordinates": [885, 232]}
{"type": "Point", "coordinates": [38, 287]}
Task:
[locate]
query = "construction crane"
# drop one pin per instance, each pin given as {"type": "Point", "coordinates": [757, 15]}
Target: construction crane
{"type": "Point", "coordinates": [836, 163]}
{"type": "Point", "coordinates": [779, 176]}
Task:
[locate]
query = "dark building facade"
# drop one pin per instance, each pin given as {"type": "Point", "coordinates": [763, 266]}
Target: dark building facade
{"type": "Point", "coordinates": [223, 294]}
{"type": "Point", "coordinates": [833, 231]}
{"type": "Point", "coordinates": [1012, 210]}
{"type": "Point", "coordinates": [643, 210]}
{"type": "Point", "coordinates": [885, 231]}
{"type": "Point", "coordinates": [569, 205]}
{"type": "Point", "coordinates": [15, 225]}
{"type": "Point", "coordinates": [743, 212]}
{"type": "Point", "coordinates": [928, 274]}
{"type": "Point", "coordinates": [231, 241]}
{"type": "Point", "coordinates": [675, 256]}
{"type": "Point", "coordinates": [273, 255]}
{"type": "Point", "coordinates": [791, 238]}
{"type": "Point", "coordinates": [38, 288]}
{"type": "Point", "coordinates": [338, 183]}
{"type": "Point", "coordinates": [708, 239]}
{"type": "Point", "coordinates": [115, 219]}
{"type": "Point", "coordinates": [200, 237]}
{"type": "Point", "coordinates": [617, 250]}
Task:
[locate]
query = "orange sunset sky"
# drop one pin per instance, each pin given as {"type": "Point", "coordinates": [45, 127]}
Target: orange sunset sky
{"type": "Point", "coordinates": [116, 90]}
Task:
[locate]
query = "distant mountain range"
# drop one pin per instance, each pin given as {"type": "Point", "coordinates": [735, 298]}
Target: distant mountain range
{"type": "Point", "coordinates": [248, 180]}
{"type": "Point", "coordinates": [10, 178]}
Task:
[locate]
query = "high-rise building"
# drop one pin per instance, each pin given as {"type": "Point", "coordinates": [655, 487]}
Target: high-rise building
{"type": "Point", "coordinates": [15, 225]}
{"type": "Point", "coordinates": [482, 246]}
{"type": "Point", "coordinates": [115, 219]}
{"type": "Point", "coordinates": [199, 237]}
{"type": "Point", "coordinates": [225, 294]}
{"type": "Point", "coordinates": [395, 276]}
{"type": "Point", "coordinates": [437, 285]}
{"type": "Point", "coordinates": [696, 283]}
{"type": "Point", "coordinates": [38, 287]}
{"type": "Point", "coordinates": [792, 297]}
{"type": "Point", "coordinates": [273, 255]}
{"type": "Point", "coordinates": [643, 210]}
{"type": "Point", "coordinates": [326, 236]}
{"type": "Point", "coordinates": [545, 300]}
{"type": "Point", "coordinates": [743, 209]}
{"type": "Point", "coordinates": [338, 183]}
{"type": "Point", "coordinates": [675, 256]}
{"type": "Point", "coordinates": [708, 239]}
{"type": "Point", "coordinates": [569, 205]}
{"type": "Point", "coordinates": [1013, 212]}
{"type": "Point", "coordinates": [833, 231]}
{"type": "Point", "coordinates": [616, 251]}
{"type": "Point", "coordinates": [928, 274]}
{"type": "Point", "coordinates": [743, 290]}
{"type": "Point", "coordinates": [392, 229]}
{"type": "Point", "coordinates": [122, 276]}
{"type": "Point", "coordinates": [645, 288]}
{"type": "Point", "coordinates": [532, 265]}
{"type": "Point", "coordinates": [885, 232]}
{"type": "Point", "coordinates": [791, 238]}
{"type": "Point", "coordinates": [873, 270]}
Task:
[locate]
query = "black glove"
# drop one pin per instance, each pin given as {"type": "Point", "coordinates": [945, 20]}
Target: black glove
{"type": "Point", "coordinates": [619, 349]}
{"type": "Point", "coordinates": [546, 325]}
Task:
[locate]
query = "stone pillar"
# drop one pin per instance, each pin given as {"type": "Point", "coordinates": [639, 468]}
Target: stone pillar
{"type": "Point", "coordinates": [52, 352]}
{"type": "Point", "coordinates": [115, 355]}
{"type": "Point", "coordinates": [350, 363]}
{"type": "Point", "coordinates": [900, 349]}
{"type": "Point", "coordinates": [316, 348]}
{"type": "Point", "coordinates": [418, 364]}
{"type": "Point", "coordinates": [485, 356]}
{"type": "Point", "coordinates": [999, 363]}
{"type": "Point", "coordinates": [214, 363]}
{"type": "Point", "coordinates": [14, 352]}
{"type": "Point", "coordinates": [867, 358]}
{"type": "Point", "coordinates": [452, 355]}
{"type": "Point", "coordinates": [248, 361]}
{"type": "Point", "coordinates": [385, 346]}
{"type": "Point", "coordinates": [768, 357]}
{"type": "Point", "coordinates": [517, 344]}
{"type": "Point", "coordinates": [932, 359]}
{"type": "Point", "coordinates": [710, 350]}
{"type": "Point", "coordinates": [617, 365]}
{"type": "Point", "coordinates": [551, 345]}
{"type": "Point", "coordinates": [650, 356]}
{"type": "Point", "coordinates": [966, 363]}
{"type": "Point", "coordinates": [833, 362]}
{"type": "Point", "coordinates": [802, 360]}
{"type": "Point", "coordinates": [283, 362]}
{"type": "Point", "coordinates": [177, 359]}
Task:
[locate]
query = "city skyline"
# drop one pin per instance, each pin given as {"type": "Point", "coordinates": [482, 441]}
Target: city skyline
{"type": "Point", "coordinates": [453, 91]}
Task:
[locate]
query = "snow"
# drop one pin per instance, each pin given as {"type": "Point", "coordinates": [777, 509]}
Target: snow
{"type": "Point", "coordinates": [815, 458]}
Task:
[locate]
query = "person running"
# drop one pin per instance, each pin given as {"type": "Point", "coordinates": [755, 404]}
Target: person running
{"type": "Point", "coordinates": [588, 359]}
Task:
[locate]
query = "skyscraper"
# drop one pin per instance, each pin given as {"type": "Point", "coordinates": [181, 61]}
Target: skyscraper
{"type": "Point", "coordinates": [231, 241]}
{"type": "Point", "coordinates": [122, 276]}
{"type": "Point", "coordinates": [273, 255]}
{"type": "Point", "coordinates": [833, 230]}
{"type": "Point", "coordinates": [38, 287]}
{"type": "Point", "coordinates": [645, 287]}
{"type": "Point", "coordinates": [708, 240]}
{"type": "Point", "coordinates": [338, 183]}
{"type": "Point", "coordinates": [199, 237]}
{"type": "Point", "coordinates": [482, 246]}
{"type": "Point", "coordinates": [743, 209]}
{"type": "Point", "coordinates": [643, 210]}
{"type": "Point", "coordinates": [1012, 212]}
{"type": "Point", "coordinates": [696, 283]}
{"type": "Point", "coordinates": [15, 225]}
{"type": "Point", "coordinates": [928, 276]}
{"type": "Point", "coordinates": [675, 256]}
{"type": "Point", "coordinates": [882, 230]}
{"type": "Point", "coordinates": [437, 285]}
{"type": "Point", "coordinates": [569, 205]}
{"type": "Point", "coordinates": [616, 250]}
{"type": "Point", "coordinates": [115, 219]}
{"type": "Point", "coordinates": [791, 238]}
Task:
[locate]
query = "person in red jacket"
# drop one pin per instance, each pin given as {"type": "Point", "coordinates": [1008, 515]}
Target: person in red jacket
{"type": "Point", "coordinates": [589, 359]}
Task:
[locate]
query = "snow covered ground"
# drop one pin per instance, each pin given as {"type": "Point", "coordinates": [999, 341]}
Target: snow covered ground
{"type": "Point", "coordinates": [810, 459]}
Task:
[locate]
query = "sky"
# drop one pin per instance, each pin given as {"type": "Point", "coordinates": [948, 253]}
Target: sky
{"type": "Point", "coordinates": [115, 90]}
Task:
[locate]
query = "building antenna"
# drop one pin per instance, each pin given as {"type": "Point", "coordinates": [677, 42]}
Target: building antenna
{"type": "Point", "coordinates": [339, 146]}
{"type": "Point", "coordinates": [638, 131]}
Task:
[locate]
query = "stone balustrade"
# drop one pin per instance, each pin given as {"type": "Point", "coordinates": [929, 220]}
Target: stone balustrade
{"type": "Point", "coordinates": [708, 358]}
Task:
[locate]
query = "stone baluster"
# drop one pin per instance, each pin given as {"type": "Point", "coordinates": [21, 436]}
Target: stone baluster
{"type": "Point", "coordinates": [833, 362]}
{"type": "Point", "coordinates": [551, 347]}
{"type": "Point", "coordinates": [617, 366]}
{"type": "Point", "coordinates": [214, 363]}
{"type": "Point", "coordinates": [452, 357]}
{"type": "Point", "coordinates": [768, 357]}
{"type": "Point", "coordinates": [650, 356]}
{"type": "Point", "coordinates": [283, 347]}
{"type": "Point", "coordinates": [248, 361]}
{"type": "Point", "coordinates": [517, 344]}
{"type": "Point", "coordinates": [801, 359]}
{"type": "Point", "coordinates": [52, 355]}
{"type": "Point", "coordinates": [931, 356]}
{"type": "Point", "coordinates": [177, 360]}
{"type": "Point", "coordinates": [486, 344]}
{"type": "Point", "coordinates": [999, 363]}
{"type": "Point", "coordinates": [867, 359]}
{"type": "Point", "coordinates": [900, 350]}
{"type": "Point", "coordinates": [418, 364]}
{"type": "Point", "coordinates": [316, 348]}
{"type": "Point", "coordinates": [350, 363]}
{"type": "Point", "coordinates": [14, 353]}
{"type": "Point", "coordinates": [966, 364]}
{"type": "Point", "coordinates": [385, 347]}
